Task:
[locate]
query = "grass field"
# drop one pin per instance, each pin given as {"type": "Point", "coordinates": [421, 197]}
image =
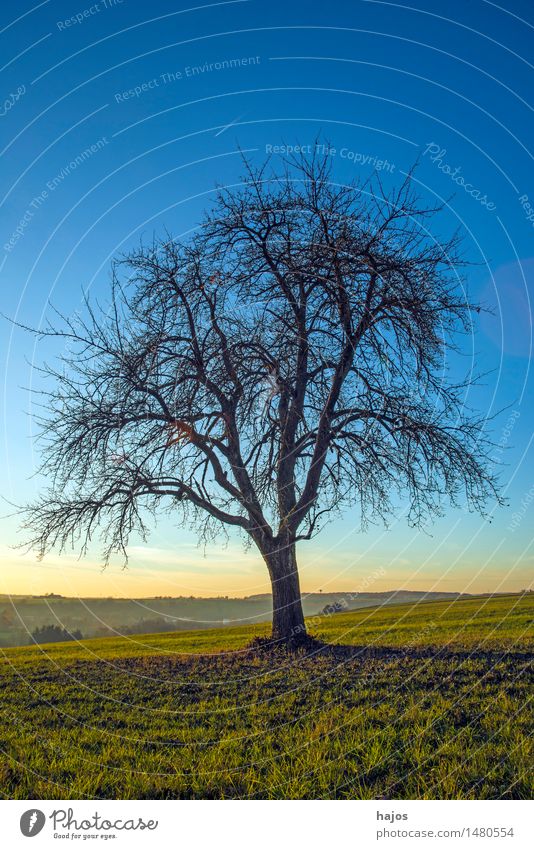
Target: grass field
{"type": "Point", "coordinates": [427, 701]}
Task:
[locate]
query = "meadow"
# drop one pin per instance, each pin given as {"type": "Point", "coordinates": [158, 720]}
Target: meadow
{"type": "Point", "coordinates": [425, 701]}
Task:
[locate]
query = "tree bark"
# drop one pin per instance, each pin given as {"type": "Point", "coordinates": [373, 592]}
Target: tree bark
{"type": "Point", "coordinates": [288, 615]}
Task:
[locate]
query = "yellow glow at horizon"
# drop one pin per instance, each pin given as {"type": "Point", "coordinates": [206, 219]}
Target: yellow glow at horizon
{"type": "Point", "coordinates": [232, 572]}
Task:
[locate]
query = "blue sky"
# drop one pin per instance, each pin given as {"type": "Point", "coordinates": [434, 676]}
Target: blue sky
{"type": "Point", "coordinates": [118, 119]}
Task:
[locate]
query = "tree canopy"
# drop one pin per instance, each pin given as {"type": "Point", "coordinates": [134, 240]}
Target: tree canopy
{"type": "Point", "coordinates": [288, 361]}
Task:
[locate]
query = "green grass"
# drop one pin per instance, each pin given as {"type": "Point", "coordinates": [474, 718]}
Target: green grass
{"type": "Point", "coordinates": [432, 701]}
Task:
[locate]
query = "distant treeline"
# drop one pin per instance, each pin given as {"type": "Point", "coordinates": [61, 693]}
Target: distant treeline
{"type": "Point", "coordinates": [54, 634]}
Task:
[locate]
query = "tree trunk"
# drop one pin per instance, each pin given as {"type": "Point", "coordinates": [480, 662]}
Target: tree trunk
{"type": "Point", "coordinates": [288, 616]}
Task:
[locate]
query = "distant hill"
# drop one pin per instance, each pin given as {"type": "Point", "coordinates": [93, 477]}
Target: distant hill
{"type": "Point", "coordinates": [21, 615]}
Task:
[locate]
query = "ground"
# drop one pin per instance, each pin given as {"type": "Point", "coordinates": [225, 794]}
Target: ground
{"type": "Point", "coordinates": [427, 701]}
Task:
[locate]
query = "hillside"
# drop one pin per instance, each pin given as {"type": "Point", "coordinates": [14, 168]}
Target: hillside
{"type": "Point", "coordinates": [102, 617]}
{"type": "Point", "coordinates": [399, 709]}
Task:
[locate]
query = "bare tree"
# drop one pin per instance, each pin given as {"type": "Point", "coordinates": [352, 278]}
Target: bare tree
{"type": "Point", "coordinates": [288, 361]}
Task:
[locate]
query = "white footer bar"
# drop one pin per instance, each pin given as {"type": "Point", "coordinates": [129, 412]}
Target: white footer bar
{"type": "Point", "coordinates": [264, 825]}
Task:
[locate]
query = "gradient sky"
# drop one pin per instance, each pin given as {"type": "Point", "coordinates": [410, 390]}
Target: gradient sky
{"type": "Point", "coordinates": [386, 84]}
